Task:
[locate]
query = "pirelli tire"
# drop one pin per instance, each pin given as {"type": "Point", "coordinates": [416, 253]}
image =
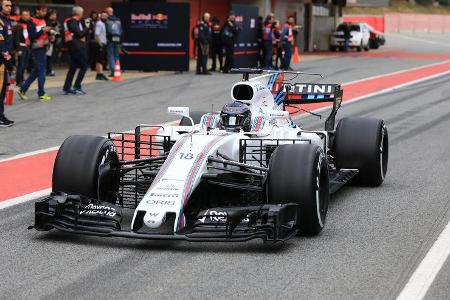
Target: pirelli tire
{"type": "Point", "coordinates": [363, 144]}
{"type": "Point", "coordinates": [299, 174]}
{"type": "Point", "coordinates": [78, 165]}
{"type": "Point", "coordinates": [196, 117]}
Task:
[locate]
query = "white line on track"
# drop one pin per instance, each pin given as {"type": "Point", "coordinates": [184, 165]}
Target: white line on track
{"type": "Point", "coordinates": [24, 198]}
{"type": "Point", "coordinates": [426, 272]}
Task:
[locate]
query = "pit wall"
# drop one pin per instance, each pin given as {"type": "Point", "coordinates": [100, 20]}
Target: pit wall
{"type": "Point", "coordinates": [405, 23]}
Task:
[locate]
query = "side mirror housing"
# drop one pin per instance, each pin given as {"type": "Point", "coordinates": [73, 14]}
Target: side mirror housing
{"type": "Point", "coordinates": [178, 110]}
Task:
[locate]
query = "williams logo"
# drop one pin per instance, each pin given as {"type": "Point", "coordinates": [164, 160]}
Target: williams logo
{"type": "Point", "coordinates": [149, 20]}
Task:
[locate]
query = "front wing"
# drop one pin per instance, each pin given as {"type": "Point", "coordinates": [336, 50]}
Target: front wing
{"type": "Point", "coordinates": [81, 215]}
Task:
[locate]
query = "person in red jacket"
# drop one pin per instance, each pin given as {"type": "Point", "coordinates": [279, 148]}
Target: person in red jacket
{"type": "Point", "coordinates": [288, 36]}
{"type": "Point", "coordinates": [38, 32]}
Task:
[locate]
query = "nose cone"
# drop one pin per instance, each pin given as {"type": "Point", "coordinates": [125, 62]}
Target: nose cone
{"type": "Point", "coordinates": [154, 219]}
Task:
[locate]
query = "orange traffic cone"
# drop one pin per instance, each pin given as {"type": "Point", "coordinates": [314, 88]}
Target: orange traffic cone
{"type": "Point", "coordinates": [9, 95]}
{"type": "Point", "coordinates": [117, 73]}
{"type": "Point", "coordinates": [296, 57]}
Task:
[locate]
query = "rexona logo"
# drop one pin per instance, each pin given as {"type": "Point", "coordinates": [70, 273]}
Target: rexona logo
{"type": "Point", "coordinates": [98, 210]}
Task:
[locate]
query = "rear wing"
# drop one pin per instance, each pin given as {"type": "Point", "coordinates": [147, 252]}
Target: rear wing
{"type": "Point", "coordinates": [308, 93]}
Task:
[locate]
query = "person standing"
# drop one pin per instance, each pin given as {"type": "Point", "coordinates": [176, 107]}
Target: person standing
{"type": "Point", "coordinates": [278, 45]}
{"type": "Point", "coordinates": [347, 36]}
{"type": "Point", "coordinates": [92, 44]}
{"type": "Point", "coordinates": [6, 63]}
{"type": "Point", "coordinates": [114, 36]}
{"type": "Point", "coordinates": [229, 38]}
{"type": "Point", "coordinates": [259, 30]}
{"type": "Point", "coordinates": [55, 31]}
{"type": "Point", "coordinates": [22, 44]}
{"type": "Point", "coordinates": [204, 40]}
{"type": "Point", "coordinates": [288, 37]}
{"type": "Point", "coordinates": [267, 36]}
{"type": "Point", "coordinates": [38, 31]}
{"type": "Point", "coordinates": [100, 39]}
{"type": "Point", "coordinates": [77, 44]}
{"type": "Point", "coordinates": [216, 44]}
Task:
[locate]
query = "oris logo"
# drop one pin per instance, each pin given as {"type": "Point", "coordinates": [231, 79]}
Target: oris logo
{"type": "Point", "coordinates": [161, 202]}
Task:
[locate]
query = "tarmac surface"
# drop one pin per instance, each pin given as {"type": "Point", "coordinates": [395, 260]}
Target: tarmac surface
{"type": "Point", "coordinates": [373, 240]}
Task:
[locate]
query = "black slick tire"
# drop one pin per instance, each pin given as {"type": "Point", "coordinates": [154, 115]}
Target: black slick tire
{"type": "Point", "coordinates": [299, 174]}
{"type": "Point", "coordinates": [76, 168]}
{"type": "Point", "coordinates": [363, 144]}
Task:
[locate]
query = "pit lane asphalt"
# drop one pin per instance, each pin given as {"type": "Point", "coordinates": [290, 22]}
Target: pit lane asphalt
{"type": "Point", "coordinates": [373, 240]}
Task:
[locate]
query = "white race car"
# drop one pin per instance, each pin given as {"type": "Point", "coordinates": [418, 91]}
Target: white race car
{"type": "Point", "coordinates": [245, 172]}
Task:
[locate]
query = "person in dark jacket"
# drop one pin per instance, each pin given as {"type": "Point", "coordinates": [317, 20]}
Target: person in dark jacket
{"type": "Point", "coordinates": [203, 42]}
{"type": "Point", "coordinates": [77, 51]}
{"type": "Point", "coordinates": [92, 43]}
{"type": "Point", "coordinates": [347, 35]}
{"type": "Point", "coordinates": [22, 45]}
{"type": "Point", "coordinates": [216, 44]}
{"type": "Point", "coordinates": [6, 48]}
{"type": "Point", "coordinates": [53, 37]}
{"type": "Point", "coordinates": [229, 38]}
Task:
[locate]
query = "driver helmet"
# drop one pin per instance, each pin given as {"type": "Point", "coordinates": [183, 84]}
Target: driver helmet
{"type": "Point", "coordinates": [235, 116]}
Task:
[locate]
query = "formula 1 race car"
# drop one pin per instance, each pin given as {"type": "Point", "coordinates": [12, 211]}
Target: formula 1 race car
{"type": "Point", "coordinates": [245, 172]}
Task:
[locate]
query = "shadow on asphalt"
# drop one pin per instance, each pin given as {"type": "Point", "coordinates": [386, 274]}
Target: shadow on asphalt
{"type": "Point", "coordinates": [256, 246]}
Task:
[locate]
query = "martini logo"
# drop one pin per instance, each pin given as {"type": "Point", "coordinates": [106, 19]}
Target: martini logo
{"type": "Point", "coordinates": [156, 21]}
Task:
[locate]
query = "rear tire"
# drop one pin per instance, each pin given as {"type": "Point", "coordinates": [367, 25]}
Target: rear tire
{"type": "Point", "coordinates": [299, 174]}
{"type": "Point", "coordinates": [362, 143]}
{"type": "Point", "coordinates": [76, 168]}
{"type": "Point", "coordinates": [196, 117]}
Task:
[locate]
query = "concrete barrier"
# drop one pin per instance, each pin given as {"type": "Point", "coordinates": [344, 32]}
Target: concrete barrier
{"type": "Point", "coordinates": [416, 23]}
{"type": "Point", "coordinates": [404, 23]}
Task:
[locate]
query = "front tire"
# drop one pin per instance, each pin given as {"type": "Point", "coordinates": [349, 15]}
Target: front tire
{"type": "Point", "coordinates": [77, 168]}
{"type": "Point", "coordinates": [299, 174]}
{"type": "Point", "coordinates": [363, 144]}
